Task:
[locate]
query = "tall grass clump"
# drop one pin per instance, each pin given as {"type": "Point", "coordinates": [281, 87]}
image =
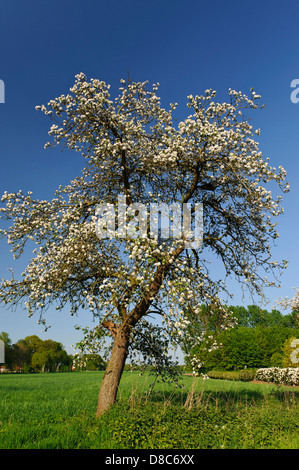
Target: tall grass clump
{"type": "Point", "coordinates": [207, 418]}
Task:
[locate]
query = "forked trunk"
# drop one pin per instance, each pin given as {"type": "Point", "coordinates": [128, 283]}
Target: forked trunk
{"type": "Point", "coordinates": [113, 373]}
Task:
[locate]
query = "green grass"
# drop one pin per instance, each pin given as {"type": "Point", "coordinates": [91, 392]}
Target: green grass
{"type": "Point", "coordinates": [57, 411]}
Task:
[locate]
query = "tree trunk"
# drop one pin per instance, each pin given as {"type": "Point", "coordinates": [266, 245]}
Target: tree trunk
{"type": "Point", "coordinates": [121, 334]}
{"type": "Point", "coordinates": [114, 370]}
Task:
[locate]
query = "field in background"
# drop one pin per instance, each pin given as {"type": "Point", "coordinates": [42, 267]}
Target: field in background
{"type": "Point", "coordinates": [57, 411]}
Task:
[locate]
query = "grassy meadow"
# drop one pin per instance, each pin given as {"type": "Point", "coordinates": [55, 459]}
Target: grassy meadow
{"type": "Point", "coordinates": [57, 411]}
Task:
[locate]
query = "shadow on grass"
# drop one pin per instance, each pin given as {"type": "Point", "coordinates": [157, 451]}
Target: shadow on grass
{"type": "Point", "coordinates": [218, 398]}
{"type": "Point", "coordinates": [197, 392]}
{"type": "Point", "coordinates": [286, 395]}
{"type": "Point", "coordinates": [205, 397]}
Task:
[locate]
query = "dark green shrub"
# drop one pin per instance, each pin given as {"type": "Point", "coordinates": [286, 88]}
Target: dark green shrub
{"type": "Point", "coordinates": [245, 375]}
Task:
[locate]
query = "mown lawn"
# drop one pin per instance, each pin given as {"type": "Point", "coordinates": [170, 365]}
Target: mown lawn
{"type": "Point", "coordinates": [57, 411]}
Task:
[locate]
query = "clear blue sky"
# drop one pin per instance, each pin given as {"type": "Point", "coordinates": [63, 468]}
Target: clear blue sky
{"type": "Point", "coordinates": [186, 46]}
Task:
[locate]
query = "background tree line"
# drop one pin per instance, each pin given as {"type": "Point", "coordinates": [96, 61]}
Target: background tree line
{"type": "Point", "coordinates": [33, 354]}
{"type": "Point", "coordinates": [260, 340]}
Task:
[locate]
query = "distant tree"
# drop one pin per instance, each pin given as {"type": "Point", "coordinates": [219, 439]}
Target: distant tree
{"type": "Point", "coordinates": [270, 340]}
{"type": "Point", "coordinates": [246, 346]}
{"type": "Point", "coordinates": [93, 362]}
{"type": "Point", "coordinates": [41, 360]}
{"type": "Point", "coordinates": [274, 318]}
{"type": "Point", "coordinates": [21, 355]}
{"type": "Point", "coordinates": [40, 354]}
{"type": "Point", "coordinates": [35, 353]}
{"type": "Point", "coordinates": [33, 342]}
{"type": "Point", "coordinates": [49, 355]}
{"type": "Point", "coordinates": [254, 316]}
{"type": "Point", "coordinates": [240, 349]}
{"type": "Point", "coordinates": [5, 338]}
{"type": "Point", "coordinates": [276, 360]}
{"type": "Point", "coordinates": [291, 320]}
{"type": "Point", "coordinates": [241, 314]}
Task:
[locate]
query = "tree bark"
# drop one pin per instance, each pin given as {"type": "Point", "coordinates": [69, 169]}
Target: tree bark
{"type": "Point", "coordinates": [114, 370]}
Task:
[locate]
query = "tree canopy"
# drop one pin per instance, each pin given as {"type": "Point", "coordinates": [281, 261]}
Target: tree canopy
{"type": "Point", "coordinates": [132, 146]}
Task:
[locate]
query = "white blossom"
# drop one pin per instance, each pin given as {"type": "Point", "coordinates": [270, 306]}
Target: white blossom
{"type": "Point", "coordinates": [131, 145]}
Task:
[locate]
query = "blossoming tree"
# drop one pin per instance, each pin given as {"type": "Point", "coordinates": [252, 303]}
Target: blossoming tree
{"type": "Point", "coordinates": [132, 146]}
{"type": "Point", "coordinates": [292, 303]}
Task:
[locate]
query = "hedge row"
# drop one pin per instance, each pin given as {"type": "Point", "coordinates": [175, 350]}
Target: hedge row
{"type": "Point", "coordinates": [245, 375]}
{"type": "Point", "coordinates": [277, 375]}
